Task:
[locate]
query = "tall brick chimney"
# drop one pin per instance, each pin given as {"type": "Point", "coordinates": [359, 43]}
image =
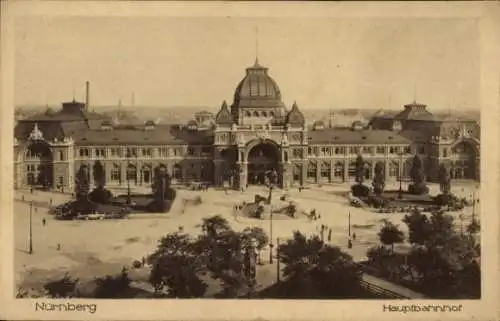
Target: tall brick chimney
{"type": "Point", "coordinates": [87, 89]}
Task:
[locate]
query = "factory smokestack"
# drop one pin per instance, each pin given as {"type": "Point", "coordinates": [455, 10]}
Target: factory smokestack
{"type": "Point", "coordinates": [87, 95]}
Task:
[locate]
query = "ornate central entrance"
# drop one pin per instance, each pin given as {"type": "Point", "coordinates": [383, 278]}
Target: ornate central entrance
{"type": "Point", "coordinates": [38, 160]}
{"type": "Point", "coordinates": [262, 159]}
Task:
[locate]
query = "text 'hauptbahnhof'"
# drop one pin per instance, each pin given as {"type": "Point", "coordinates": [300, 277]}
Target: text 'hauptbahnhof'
{"type": "Point", "coordinates": [255, 134]}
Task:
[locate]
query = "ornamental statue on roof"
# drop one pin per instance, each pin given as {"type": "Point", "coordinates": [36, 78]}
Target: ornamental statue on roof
{"type": "Point", "coordinates": [36, 133]}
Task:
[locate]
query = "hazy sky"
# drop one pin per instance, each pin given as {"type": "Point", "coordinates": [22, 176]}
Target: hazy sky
{"type": "Point", "coordinates": [319, 62]}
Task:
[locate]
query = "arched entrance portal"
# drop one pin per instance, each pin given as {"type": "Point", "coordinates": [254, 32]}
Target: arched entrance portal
{"type": "Point", "coordinates": [262, 159]}
{"type": "Point", "coordinates": [38, 162]}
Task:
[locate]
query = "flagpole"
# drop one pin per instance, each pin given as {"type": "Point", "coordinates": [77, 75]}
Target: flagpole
{"type": "Point", "coordinates": [30, 250]}
{"type": "Point", "coordinates": [349, 222]}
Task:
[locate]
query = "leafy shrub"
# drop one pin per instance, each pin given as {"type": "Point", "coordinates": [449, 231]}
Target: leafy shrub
{"type": "Point", "coordinates": [360, 190]}
{"type": "Point", "coordinates": [378, 202]}
{"type": "Point", "coordinates": [112, 286]}
{"type": "Point", "coordinates": [418, 189]}
{"type": "Point", "coordinates": [454, 203]}
{"type": "Point", "coordinates": [62, 288]}
{"type": "Point", "coordinates": [100, 195]}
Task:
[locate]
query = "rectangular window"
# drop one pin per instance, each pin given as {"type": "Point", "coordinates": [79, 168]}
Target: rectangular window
{"type": "Point", "coordinates": [354, 150]}
{"type": "Point", "coordinates": [325, 171]}
{"type": "Point", "coordinates": [380, 149]}
{"type": "Point", "coordinates": [84, 152]}
{"type": "Point", "coordinates": [115, 174]}
{"type": "Point", "coordinates": [352, 169]}
{"type": "Point", "coordinates": [338, 170]}
{"type": "Point", "coordinates": [445, 152]}
{"type": "Point", "coordinates": [100, 152]}
{"type": "Point", "coordinates": [392, 150]}
{"type": "Point", "coordinates": [421, 149]}
{"type": "Point", "coordinates": [147, 152]}
{"type": "Point", "coordinates": [339, 151]}
{"type": "Point", "coordinates": [407, 150]}
{"type": "Point", "coordinates": [206, 151]}
{"type": "Point", "coordinates": [367, 150]}
{"type": "Point", "coordinates": [311, 171]}
{"type": "Point", "coordinates": [309, 151]}
{"type": "Point", "coordinates": [131, 152]}
{"type": "Point", "coordinates": [191, 151]}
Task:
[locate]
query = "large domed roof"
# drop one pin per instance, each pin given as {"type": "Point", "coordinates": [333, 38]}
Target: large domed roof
{"type": "Point", "coordinates": [257, 85]}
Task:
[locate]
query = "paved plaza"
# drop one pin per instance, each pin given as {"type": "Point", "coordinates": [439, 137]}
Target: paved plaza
{"type": "Point", "coordinates": [93, 248]}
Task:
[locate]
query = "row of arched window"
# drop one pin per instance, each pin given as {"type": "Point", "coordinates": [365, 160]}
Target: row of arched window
{"type": "Point", "coordinates": [256, 113]}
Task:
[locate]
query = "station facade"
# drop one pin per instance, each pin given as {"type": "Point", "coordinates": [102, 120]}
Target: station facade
{"type": "Point", "coordinates": [256, 134]}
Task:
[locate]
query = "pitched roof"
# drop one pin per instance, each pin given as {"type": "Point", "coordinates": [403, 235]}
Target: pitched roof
{"type": "Point", "coordinates": [295, 116]}
{"type": "Point", "coordinates": [417, 136]}
{"type": "Point", "coordinates": [342, 135]}
{"type": "Point", "coordinates": [50, 130]}
{"type": "Point", "coordinates": [161, 134]}
{"type": "Point", "coordinates": [415, 111]}
{"type": "Point", "coordinates": [224, 116]}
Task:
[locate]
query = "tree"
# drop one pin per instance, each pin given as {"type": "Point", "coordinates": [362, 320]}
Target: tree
{"type": "Point", "coordinates": [441, 228]}
{"type": "Point", "coordinates": [61, 288]}
{"type": "Point", "coordinates": [474, 227]}
{"type": "Point", "coordinates": [447, 268]}
{"type": "Point", "coordinates": [110, 287]}
{"type": "Point", "coordinates": [99, 194]}
{"type": "Point", "coordinates": [82, 186]}
{"type": "Point", "coordinates": [379, 179]}
{"type": "Point", "coordinates": [360, 169]}
{"type": "Point", "coordinates": [214, 225]}
{"type": "Point", "coordinates": [318, 270]}
{"type": "Point", "coordinates": [176, 267]}
{"type": "Point", "coordinates": [220, 253]}
{"type": "Point", "coordinates": [163, 194]}
{"type": "Point", "coordinates": [418, 177]}
{"type": "Point", "coordinates": [390, 234]}
{"type": "Point", "coordinates": [99, 174]}
{"type": "Point", "coordinates": [419, 227]}
{"type": "Point", "coordinates": [256, 233]}
{"type": "Point", "coordinates": [444, 179]}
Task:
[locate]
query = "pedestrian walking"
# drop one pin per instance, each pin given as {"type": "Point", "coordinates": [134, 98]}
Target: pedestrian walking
{"type": "Point", "coordinates": [22, 198]}
{"type": "Point", "coordinates": [143, 261]}
{"type": "Point", "coordinates": [58, 246]}
{"type": "Point", "coordinates": [329, 235]}
{"type": "Point", "coordinates": [44, 221]}
{"type": "Point", "coordinates": [354, 236]}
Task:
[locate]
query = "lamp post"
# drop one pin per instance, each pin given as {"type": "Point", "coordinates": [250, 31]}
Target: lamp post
{"type": "Point", "coordinates": [30, 236]}
{"type": "Point", "coordinates": [272, 181]}
{"type": "Point", "coordinates": [129, 156]}
{"type": "Point", "coordinates": [271, 235]}
{"type": "Point", "coordinates": [349, 224]}
{"type": "Point", "coordinates": [277, 260]}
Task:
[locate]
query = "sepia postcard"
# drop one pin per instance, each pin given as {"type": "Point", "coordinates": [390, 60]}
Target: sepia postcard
{"type": "Point", "coordinates": [249, 160]}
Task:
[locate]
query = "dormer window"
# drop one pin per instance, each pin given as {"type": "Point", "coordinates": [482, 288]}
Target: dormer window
{"type": "Point", "coordinates": [149, 125]}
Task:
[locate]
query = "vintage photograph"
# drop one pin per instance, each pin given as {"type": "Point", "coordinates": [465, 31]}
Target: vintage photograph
{"type": "Point", "coordinates": [240, 157]}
